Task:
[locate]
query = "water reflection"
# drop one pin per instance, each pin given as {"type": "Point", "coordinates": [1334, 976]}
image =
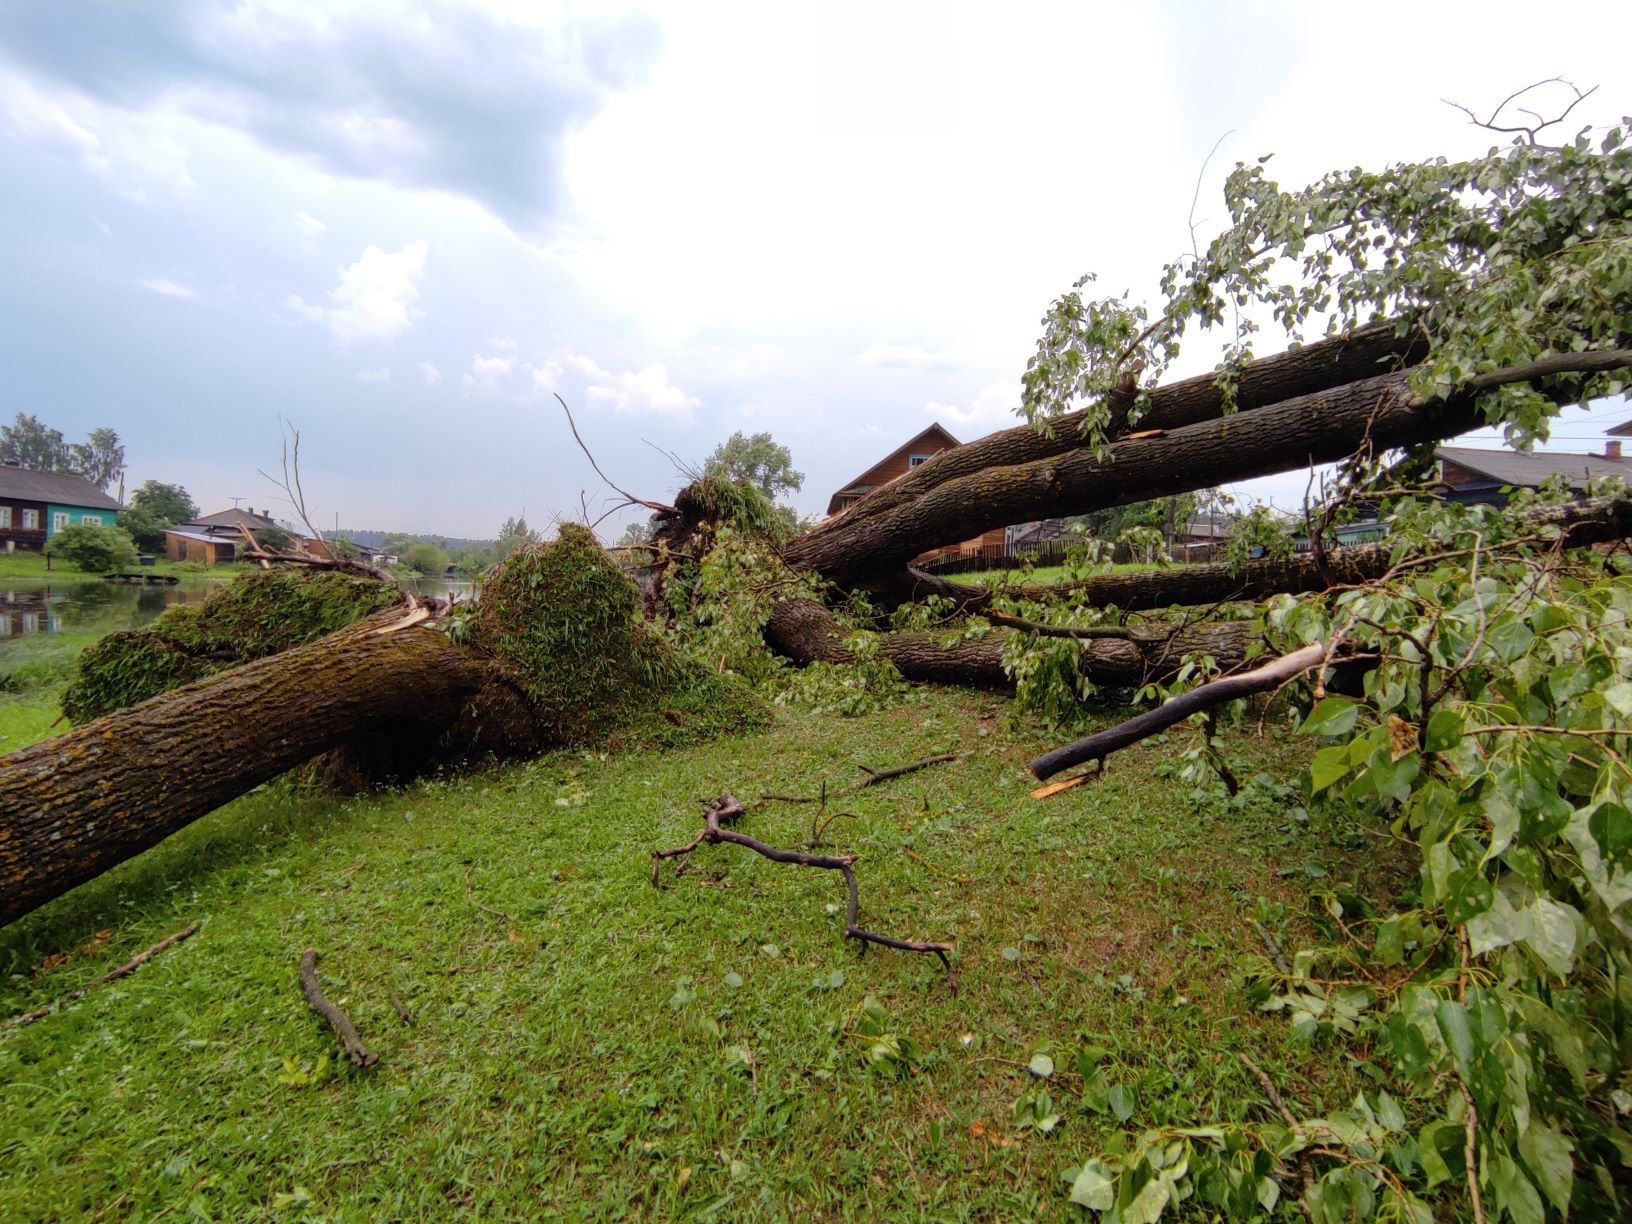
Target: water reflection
{"type": "Point", "coordinates": [53, 607]}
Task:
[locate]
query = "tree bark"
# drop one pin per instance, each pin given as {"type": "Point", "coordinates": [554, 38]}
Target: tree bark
{"type": "Point", "coordinates": [74, 806]}
{"type": "Point", "coordinates": [1270, 380]}
{"type": "Point", "coordinates": [870, 551]}
{"type": "Point", "coordinates": [806, 632]}
{"type": "Point", "coordinates": [1579, 524]}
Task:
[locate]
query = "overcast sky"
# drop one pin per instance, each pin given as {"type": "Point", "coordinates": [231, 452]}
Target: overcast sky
{"type": "Point", "coordinates": [402, 226]}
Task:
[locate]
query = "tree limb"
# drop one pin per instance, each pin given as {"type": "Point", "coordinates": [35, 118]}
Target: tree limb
{"type": "Point", "coordinates": [345, 1032]}
{"type": "Point", "coordinates": [1101, 744]}
{"type": "Point", "coordinates": [124, 970]}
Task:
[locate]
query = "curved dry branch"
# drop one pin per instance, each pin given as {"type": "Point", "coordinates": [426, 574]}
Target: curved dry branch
{"type": "Point", "coordinates": [629, 498]}
{"type": "Point", "coordinates": [728, 808]}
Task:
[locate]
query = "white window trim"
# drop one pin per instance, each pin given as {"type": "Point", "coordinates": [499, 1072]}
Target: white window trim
{"type": "Point", "coordinates": [60, 519]}
{"type": "Point", "coordinates": [5, 517]}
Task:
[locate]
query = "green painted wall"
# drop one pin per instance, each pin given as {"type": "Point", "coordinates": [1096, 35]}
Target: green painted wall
{"type": "Point", "coordinates": [77, 514]}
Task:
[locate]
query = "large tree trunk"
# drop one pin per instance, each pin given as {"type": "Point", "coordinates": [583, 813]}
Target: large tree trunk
{"type": "Point", "coordinates": [1578, 524]}
{"type": "Point", "coordinates": [1271, 380]}
{"type": "Point", "coordinates": [73, 806]}
{"type": "Point", "coordinates": [807, 633]}
{"type": "Point", "coordinates": [870, 551]}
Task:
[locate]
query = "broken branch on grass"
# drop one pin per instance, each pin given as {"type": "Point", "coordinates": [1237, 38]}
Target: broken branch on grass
{"type": "Point", "coordinates": [401, 1009]}
{"type": "Point", "coordinates": [1274, 1096]}
{"type": "Point", "coordinates": [1098, 746]}
{"type": "Point", "coordinates": [345, 1032]}
{"type": "Point", "coordinates": [727, 808]}
{"type": "Point", "coordinates": [129, 967]}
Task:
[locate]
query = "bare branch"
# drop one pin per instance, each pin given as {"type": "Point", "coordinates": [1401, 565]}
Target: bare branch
{"type": "Point", "coordinates": [630, 498]}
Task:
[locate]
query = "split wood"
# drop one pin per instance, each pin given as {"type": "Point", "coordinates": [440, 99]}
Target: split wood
{"type": "Point", "coordinates": [727, 808]}
{"type": "Point", "coordinates": [129, 967]}
{"type": "Point", "coordinates": [345, 1032]}
{"type": "Point", "coordinates": [873, 778]}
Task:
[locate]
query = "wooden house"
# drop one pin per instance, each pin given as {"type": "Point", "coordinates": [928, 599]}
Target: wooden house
{"type": "Point", "coordinates": [900, 461]}
{"type": "Point", "coordinates": [34, 506]}
{"type": "Point", "coordinates": [216, 539]}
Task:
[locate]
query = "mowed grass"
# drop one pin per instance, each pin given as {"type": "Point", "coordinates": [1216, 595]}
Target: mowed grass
{"type": "Point", "coordinates": [587, 1046]}
{"type": "Point", "coordinates": [33, 565]}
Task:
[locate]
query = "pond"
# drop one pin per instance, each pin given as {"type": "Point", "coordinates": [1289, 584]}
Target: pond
{"type": "Point", "coordinates": [85, 604]}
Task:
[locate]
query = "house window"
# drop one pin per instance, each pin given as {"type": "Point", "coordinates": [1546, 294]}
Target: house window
{"type": "Point", "coordinates": [5, 517]}
{"type": "Point", "coordinates": [91, 520]}
{"type": "Point", "coordinates": [31, 520]}
{"type": "Point", "coordinates": [59, 520]}
{"type": "Point", "coordinates": [914, 460]}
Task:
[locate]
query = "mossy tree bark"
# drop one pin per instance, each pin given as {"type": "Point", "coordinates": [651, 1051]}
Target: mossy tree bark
{"type": "Point", "coordinates": [74, 806]}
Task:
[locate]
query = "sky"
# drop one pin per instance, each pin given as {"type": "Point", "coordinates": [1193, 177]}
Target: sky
{"type": "Point", "coordinates": [403, 228]}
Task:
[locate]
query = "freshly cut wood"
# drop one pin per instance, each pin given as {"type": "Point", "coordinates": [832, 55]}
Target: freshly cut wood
{"type": "Point", "coordinates": [73, 806]}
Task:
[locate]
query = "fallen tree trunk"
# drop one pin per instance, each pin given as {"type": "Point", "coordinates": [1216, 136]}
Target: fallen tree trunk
{"type": "Point", "coordinates": [806, 632]}
{"type": "Point", "coordinates": [870, 551]}
{"type": "Point", "coordinates": [1271, 380]}
{"type": "Point", "coordinates": [74, 806]}
{"type": "Point", "coordinates": [1579, 524]}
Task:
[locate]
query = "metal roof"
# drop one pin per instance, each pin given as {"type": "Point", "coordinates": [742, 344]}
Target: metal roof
{"type": "Point", "coordinates": [1506, 467]}
{"type": "Point", "coordinates": [63, 488]}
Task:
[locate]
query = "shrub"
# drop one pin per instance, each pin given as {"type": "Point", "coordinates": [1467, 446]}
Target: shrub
{"type": "Point", "coordinates": [96, 550]}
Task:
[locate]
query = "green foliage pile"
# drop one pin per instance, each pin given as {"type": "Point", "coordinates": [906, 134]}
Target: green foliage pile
{"type": "Point", "coordinates": [96, 550]}
{"type": "Point", "coordinates": [258, 614]}
{"type": "Point", "coordinates": [564, 620]}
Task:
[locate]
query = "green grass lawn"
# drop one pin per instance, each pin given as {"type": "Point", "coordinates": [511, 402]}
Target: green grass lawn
{"type": "Point", "coordinates": [32, 565]}
{"type": "Point", "coordinates": [588, 1046]}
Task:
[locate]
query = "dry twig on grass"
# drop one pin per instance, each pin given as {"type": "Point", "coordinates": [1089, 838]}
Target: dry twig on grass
{"type": "Point", "coordinates": [728, 808]}
{"type": "Point", "coordinates": [344, 1031]}
{"type": "Point", "coordinates": [130, 966]}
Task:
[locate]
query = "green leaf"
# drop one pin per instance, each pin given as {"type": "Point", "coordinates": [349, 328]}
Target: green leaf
{"type": "Point", "coordinates": [1467, 894]}
{"type": "Point", "coordinates": [1011, 954]}
{"type": "Point", "coordinates": [1121, 1102]}
{"type": "Point", "coordinates": [1147, 1206]}
{"type": "Point", "coordinates": [1452, 1019]}
{"type": "Point", "coordinates": [733, 980]}
{"type": "Point", "coordinates": [1618, 697]}
{"type": "Point", "coordinates": [1611, 827]}
{"type": "Point", "coordinates": [1444, 731]}
{"type": "Point", "coordinates": [1546, 1154]}
{"type": "Point", "coordinates": [1041, 1065]}
{"type": "Point", "coordinates": [1329, 765]}
{"type": "Point", "coordinates": [1093, 1188]}
{"type": "Point", "coordinates": [1331, 716]}
{"type": "Point", "coordinates": [1514, 1193]}
{"type": "Point", "coordinates": [1552, 928]}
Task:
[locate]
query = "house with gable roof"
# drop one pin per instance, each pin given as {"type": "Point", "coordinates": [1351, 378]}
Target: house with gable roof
{"type": "Point", "coordinates": [34, 506]}
{"type": "Point", "coordinates": [916, 450]}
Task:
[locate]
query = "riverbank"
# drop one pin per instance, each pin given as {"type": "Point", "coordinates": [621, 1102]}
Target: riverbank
{"type": "Point", "coordinates": [33, 566]}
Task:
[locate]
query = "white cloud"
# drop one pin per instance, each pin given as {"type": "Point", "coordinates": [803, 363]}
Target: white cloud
{"type": "Point", "coordinates": [107, 230]}
{"type": "Point", "coordinates": [127, 151]}
{"type": "Point", "coordinates": [501, 342]}
{"type": "Point", "coordinates": [489, 372]}
{"type": "Point", "coordinates": [375, 296]}
{"type": "Point", "coordinates": [643, 391]}
{"type": "Point", "coordinates": [167, 288]}
{"type": "Point", "coordinates": [547, 377]}
{"type": "Point", "coordinates": [905, 357]}
{"type": "Point", "coordinates": [431, 374]}
{"type": "Point", "coordinates": [309, 226]}
{"type": "Point", "coordinates": [381, 375]}
{"type": "Point", "coordinates": [992, 409]}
